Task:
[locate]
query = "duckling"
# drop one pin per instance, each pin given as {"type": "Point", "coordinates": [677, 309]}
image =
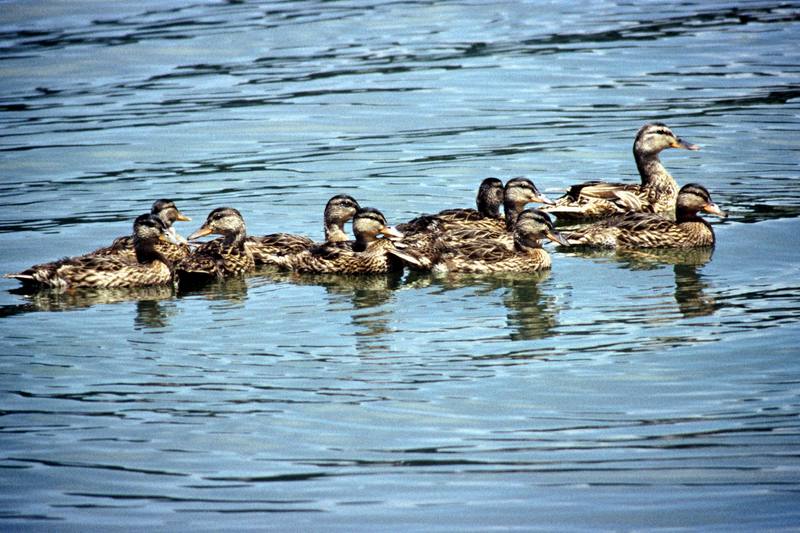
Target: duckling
{"type": "Point", "coordinates": [595, 200]}
{"type": "Point", "coordinates": [517, 193]}
{"type": "Point", "coordinates": [649, 230]}
{"type": "Point", "coordinates": [338, 211]}
{"type": "Point", "coordinates": [220, 258]}
{"type": "Point", "coordinates": [480, 257]}
{"type": "Point", "coordinates": [169, 213]}
{"type": "Point", "coordinates": [488, 201]}
{"type": "Point", "coordinates": [148, 266]}
{"type": "Point", "coordinates": [367, 255]}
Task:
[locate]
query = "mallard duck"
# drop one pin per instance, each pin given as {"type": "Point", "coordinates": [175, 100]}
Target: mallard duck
{"type": "Point", "coordinates": [220, 258]}
{"type": "Point", "coordinates": [338, 211]}
{"type": "Point", "coordinates": [517, 193]}
{"type": "Point", "coordinates": [366, 255]}
{"type": "Point", "coordinates": [595, 200]}
{"type": "Point", "coordinates": [147, 266]}
{"type": "Point", "coordinates": [649, 230]}
{"type": "Point", "coordinates": [479, 257]}
{"type": "Point", "coordinates": [489, 199]}
{"type": "Point", "coordinates": [174, 250]}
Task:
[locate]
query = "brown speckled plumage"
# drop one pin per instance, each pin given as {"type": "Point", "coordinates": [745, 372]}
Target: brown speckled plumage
{"type": "Point", "coordinates": [489, 256]}
{"type": "Point", "coordinates": [146, 266]}
{"type": "Point", "coordinates": [657, 192]}
{"type": "Point", "coordinates": [426, 246]}
{"type": "Point", "coordinates": [169, 213]}
{"type": "Point", "coordinates": [268, 249]}
{"type": "Point", "coordinates": [488, 202]}
{"type": "Point", "coordinates": [219, 258]}
{"type": "Point", "coordinates": [366, 255]}
{"type": "Point", "coordinates": [649, 230]}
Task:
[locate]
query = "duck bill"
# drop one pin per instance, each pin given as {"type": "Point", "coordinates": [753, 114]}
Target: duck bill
{"type": "Point", "coordinates": [557, 238]}
{"type": "Point", "coordinates": [183, 218]}
{"type": "Point", "coordinates": [391, 233]}
{"type": "Point", "coordinates": [713, 209]}
{"type": "Point", "coordinates": [683, 145]}
{"type": "Point", "coordinates": [542, 199]}
{"type": "Point", "coordinates": [202, 232]}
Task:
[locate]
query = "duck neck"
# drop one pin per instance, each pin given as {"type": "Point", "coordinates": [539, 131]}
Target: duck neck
{"type": "Point", "coordinates": [512, 209]}
{"type": "Point", "coordinates": [334, 232]}
{"type": "Point", "coordinates": [683, 214]}
{"type": "Point", "coordinates": [146, 252]}
{"type": "Point", "coordinates": [651, 171]}
{"type": "Point", "coordinates": [488, 209]}
{"type": "Point", "coordinates": [526, 243]}
{"type": "Point", "coordinates": [363, 240]}
{"type": "Point", "coordinates": [234, 239]}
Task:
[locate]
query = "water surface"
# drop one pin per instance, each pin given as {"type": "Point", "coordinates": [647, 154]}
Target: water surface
{"type": "Point", "coordinates": [619, 391]}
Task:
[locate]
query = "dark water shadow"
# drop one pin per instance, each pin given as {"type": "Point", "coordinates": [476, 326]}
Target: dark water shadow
{"type": "Point", "coordinates": [692, 294]}
{"type": "Point", "coordinates": [532, 311]}
{"type": "Point", "coordinates": [153, 307]}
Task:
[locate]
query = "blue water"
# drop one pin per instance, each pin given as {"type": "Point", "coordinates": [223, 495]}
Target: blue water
{"type": "Point", "coordinates": [619, 391]}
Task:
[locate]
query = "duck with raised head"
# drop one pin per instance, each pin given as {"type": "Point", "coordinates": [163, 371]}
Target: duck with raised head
{"type": "Point", "coordinates": [488, 201]}
{"type": "Point", "coordinates": [174, 249]}
{"type": "Point", "coordinates": [650, 230]}
{"type": "Point", "coordinates": [223, 257]}
{"type": "Point", "coordinates": [147, 266]}
{"type": "Point", "coordinates": [517, 193]}
{"type": "Point", "coordinates": [368, 254]}
{"type": "Point", "coordinates": [267, 249]}
{"type": "Point", "coordinates": [594, 200]}
{"type": "Point", "coordinates": [487, 256]}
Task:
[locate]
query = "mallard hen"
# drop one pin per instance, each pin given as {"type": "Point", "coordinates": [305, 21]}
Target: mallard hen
{"type": "Point", "coordinates": [174, 249]}
{"type": "Point", "coordinates": [267, 248]}
{"type": "Point", "coordinates": [595, 200]}
{"type": "Point", "coordinates": [368, 254]}
{"type": "Point", "coordinates": [220, 258]}
{"type": "Point", "coordinates": [147, 266]}
{"type": "Point", "coordinates": [649, 230]}
{"type": "Point", "coordinates": [486, 256]}
{"type": "Point", "coordinates": [488, 201]}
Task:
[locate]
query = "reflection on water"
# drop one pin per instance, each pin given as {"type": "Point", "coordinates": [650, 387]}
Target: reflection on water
{"type": "Point", "coordinates": [65, 300]}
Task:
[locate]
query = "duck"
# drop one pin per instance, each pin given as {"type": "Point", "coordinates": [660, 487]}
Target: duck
{"type": "Point", "coordinates": [595, 200]}
{"type": "Point", "coordinates": [223, 257]}
{"type": "Point", "coordinates": [650, 230]}
{"type": "Point", "coordinates": [367, 254]}
{"type": "Point", "coordinates": [338, 211]}
{"type": "Point", "coordinates": [173, 249]}
{"type": "Point", "coordinates": [488, 201]}
{"type": "Point", "coordinates": [487, 256]}
{"type": "Point", "coordinates": [425, 247]}
{"type": "Point", "coordinates": [146, 267]}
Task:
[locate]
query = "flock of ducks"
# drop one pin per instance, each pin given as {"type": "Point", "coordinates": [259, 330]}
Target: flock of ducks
{"type": "Point", "coordinates": [653, 214]}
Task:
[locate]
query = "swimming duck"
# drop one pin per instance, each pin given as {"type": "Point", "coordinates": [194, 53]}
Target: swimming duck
{"type": "Point", "coordinates": [595, 200]}
{"type": "Point", "coordinates": [488, 202]}
{"type": "Point", "coordinates": [366, 255]}
{"type": "Point", "coordinates": [649, 230]}
{"type": "Point", "coordinates": [147, 266]}
{"type": "Point", "coordinates": [527, 255]}
{"type": "Point", "coordinates": [176, 250]}
{"type": "Point", "coordinates": [220, 258]}
{"type": "Point", "coordinates": [338, 211]}
{"type": "Point", "coordinates": [517, 193]}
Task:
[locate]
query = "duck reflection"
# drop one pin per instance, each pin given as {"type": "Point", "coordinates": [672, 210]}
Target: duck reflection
{"type": "Point", "coordinates": [366, 293]}
{"type": "Point", "coordinates": [232, 290]}
{"type": "Point", "coordinates": [532, 313]}
{"type": "Point", "coordinates": [154, 305]}
{"type": "Point", "coordinates": [691, 294]}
